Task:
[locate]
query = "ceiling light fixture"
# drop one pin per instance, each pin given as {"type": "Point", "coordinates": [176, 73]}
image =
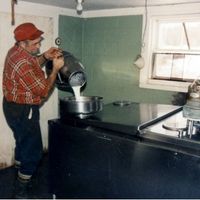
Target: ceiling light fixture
{"type": "Point", "coordinates": [79, 6]}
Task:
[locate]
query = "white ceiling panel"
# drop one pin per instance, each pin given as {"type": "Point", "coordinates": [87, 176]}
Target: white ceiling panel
{"type": "Point", "coordinates": [109, 4]}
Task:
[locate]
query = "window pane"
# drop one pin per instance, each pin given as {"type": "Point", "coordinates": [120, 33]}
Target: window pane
{"type": "Point", "coordinates": [193, 31]}
{"type": "Point", "coordinates": [178, 66]}
{"type": "Point", "coordinates": [191, 66]}
{"type": "Point", "coordinates": [171, 36]}
{"type": "Point", "coordinates": [162, 65]}
{"type": "Point", "coordinates": [185, 67]}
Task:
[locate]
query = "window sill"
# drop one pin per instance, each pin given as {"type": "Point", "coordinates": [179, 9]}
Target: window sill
{"type": "Point", "coordinates": [165, 85]}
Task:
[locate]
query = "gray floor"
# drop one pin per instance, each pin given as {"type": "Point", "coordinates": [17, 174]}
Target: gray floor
{"type": "Point", "coordinates": [40, 188]}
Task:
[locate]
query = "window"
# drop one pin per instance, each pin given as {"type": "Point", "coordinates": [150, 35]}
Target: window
{"type": "Point", "coordinates": [176, 55]}
{"type": "Point", "coordinates": [183, 67]}
{"type": "Point", "coordinates": [172, 53]}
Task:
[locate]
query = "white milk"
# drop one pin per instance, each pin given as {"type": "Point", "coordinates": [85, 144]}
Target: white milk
{"type": "Point", "coordinates": [77, 91]}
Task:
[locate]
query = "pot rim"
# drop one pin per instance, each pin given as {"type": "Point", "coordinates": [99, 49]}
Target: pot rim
{"type": "Point", "coordinates": [81, 99]}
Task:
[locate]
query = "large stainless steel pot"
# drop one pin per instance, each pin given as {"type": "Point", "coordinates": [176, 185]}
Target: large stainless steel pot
{"type": "Point", "coordinates": [83, 106]}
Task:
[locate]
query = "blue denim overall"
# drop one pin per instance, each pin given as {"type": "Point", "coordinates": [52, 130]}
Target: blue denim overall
{"type": "Point", "coordinates": [27, 134]}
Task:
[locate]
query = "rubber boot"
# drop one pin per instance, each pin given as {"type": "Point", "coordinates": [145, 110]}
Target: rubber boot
{"type": "Point", "coordinates": [21, 189]}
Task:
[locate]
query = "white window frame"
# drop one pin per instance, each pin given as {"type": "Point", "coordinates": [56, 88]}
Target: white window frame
{"type": "Point", "coordinates": [162, 13]}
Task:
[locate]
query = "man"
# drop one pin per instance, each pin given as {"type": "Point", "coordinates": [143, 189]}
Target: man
{"type": "Point", "coordinates": [25, 88]}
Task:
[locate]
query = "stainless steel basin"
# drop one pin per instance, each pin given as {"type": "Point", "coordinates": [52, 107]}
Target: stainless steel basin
{"type": "Point", "coordinates": [82, 105]}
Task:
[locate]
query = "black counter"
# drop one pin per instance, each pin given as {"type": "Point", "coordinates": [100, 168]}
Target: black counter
{"type": "Point", "coordinates": [99, 157]}
{"type": "Point", "coordinates": [127, 119]}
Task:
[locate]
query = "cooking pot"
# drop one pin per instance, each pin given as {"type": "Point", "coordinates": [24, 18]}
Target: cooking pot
{"type": "Point", "coordinates": [71, 74]}
{"type": "Point", "coordinates": [82, 107]}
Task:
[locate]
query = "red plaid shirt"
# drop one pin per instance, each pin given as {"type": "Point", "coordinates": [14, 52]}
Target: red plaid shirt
{"type": "Point", "coordinates": [24, 81]}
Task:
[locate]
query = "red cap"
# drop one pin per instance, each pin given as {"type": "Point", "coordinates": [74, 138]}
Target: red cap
{"type": "Point", "coordinates": [27, 31]}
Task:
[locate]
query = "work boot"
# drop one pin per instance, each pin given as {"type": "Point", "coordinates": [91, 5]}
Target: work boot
{"type": "Point", "coordinates": [21, 189]}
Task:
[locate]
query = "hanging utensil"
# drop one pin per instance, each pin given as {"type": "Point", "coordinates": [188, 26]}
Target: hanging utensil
{"type": "Point", "coordinates": [13, 2]}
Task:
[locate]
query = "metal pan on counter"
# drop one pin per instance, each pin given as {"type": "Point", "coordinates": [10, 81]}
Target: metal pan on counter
{"type": "Point", "coordinates": [83, 106]}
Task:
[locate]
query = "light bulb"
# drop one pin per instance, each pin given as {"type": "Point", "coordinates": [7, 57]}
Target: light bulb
{"type": "Point", "coordinates": [79, 7]}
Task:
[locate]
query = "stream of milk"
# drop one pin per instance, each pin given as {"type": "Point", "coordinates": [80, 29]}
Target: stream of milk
{"type": "Point", "coordinates": [77, 91]}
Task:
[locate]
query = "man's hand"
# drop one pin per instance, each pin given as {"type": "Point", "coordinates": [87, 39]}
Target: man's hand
{"type": "Point", "coordinates": [58, 63]}
{"type": "Point", "coordinates": [52, 53]}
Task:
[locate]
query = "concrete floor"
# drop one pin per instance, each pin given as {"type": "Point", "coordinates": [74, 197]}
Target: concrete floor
{"type": "Point", "coordinates": [40, 188]}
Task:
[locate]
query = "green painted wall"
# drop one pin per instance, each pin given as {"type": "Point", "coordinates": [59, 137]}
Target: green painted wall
{"type": "Point", "coordinates": [107, 47]}
{"type": "Point", "coordinates": [70, 32]}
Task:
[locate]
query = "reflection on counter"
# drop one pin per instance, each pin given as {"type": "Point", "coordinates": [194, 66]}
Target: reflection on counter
{"type": "Point", "coordinates": [175, 126]}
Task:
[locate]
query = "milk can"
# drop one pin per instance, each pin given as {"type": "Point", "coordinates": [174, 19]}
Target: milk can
{"type": "Point", "coordinates": [71, 74]}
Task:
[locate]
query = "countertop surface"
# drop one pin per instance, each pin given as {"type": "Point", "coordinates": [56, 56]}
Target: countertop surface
{"type": "Point", "coordinates": [129, 118]}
